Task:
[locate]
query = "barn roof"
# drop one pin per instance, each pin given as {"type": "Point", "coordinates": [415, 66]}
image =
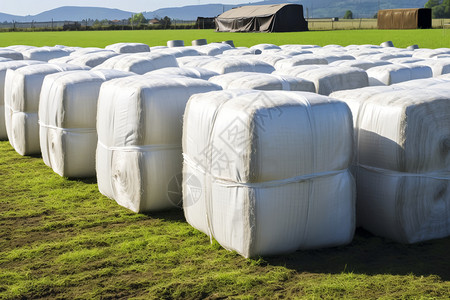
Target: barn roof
{"type": "Point", "coordinates": [253, 11]}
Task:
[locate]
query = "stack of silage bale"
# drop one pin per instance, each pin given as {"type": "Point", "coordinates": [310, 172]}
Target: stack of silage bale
{"type": "Point", "coordinates": [139, 125]}
{"type": "Point", "coordinates": [4, 66]}
{"type": "Point", "coordinates": [402, 160]}
{"type": "Point", "coordinates": [67, 120]}
{"type": "Point", "coordinates": [22, 92]}
{"type": "Point", "coordinates": [267, 173]}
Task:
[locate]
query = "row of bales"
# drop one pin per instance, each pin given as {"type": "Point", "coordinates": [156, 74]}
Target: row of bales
{"type": "Point", "coordinates": [270, 149]}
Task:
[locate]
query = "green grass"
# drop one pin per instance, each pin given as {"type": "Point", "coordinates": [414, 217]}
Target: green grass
{"type": "Point", "coordinates": [427, 38]}
{"type": "Point", "coordinates": [62, 239]}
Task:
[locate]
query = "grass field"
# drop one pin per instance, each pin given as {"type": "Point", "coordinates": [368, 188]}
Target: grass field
{"type": "Point", "coordinates": [62, 239]}
{"type": "Point", "coordinates": [427, 38]}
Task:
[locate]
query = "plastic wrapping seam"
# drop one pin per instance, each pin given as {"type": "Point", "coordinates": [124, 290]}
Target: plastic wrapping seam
{"type": "Point", "coordinates": [79, 130]}
{"type": "Point", "coordinates": [145, 148]}
{"type": "Point", "coordinates": [265, 184]}
{"type": "Point", "coordinates": [439, 175]}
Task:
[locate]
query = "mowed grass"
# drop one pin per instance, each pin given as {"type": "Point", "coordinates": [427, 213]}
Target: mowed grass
{"type": "Point", "coordinates": [62, 239]}
{"type": "Point", "coordinates": [427, 38]}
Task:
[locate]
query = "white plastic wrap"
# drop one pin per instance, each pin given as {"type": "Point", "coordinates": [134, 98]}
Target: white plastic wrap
{"type": "Point", "coordinates": [403, 163]}
{"type": "Point", "coordinates": [232, 64]}
{"type": "Point", "coordinates": [44, 53]}
{"type": "Point", "coordinates": [179, 51]}
{"type": "Point", "coordinates": [212, 49]}
{"type": "Point", "coordinates": [139, 63]}
{"type": "Point", "coordinates": [359, 63]}
{"type": "Point", "coordinates": [22, 91]}
{"type": "Point", "coordinates": [67, 120]}
{"type": "Point", "coordinates": [260, 81]}
{"type": "Point", "coordinates": [299, 60]}
{"type": "Point", "coordinates": [328, 79]}
{"type": "Point", "coordinates": [128, 47]}
{"type": "Point", "coordinates": [192, 72]}
{"type": "Point", "coordinates": [266, 173]}
{"type": "Point", "coordinates": [4, 66]}
{"type": "Point", "coordinates": [92, 59]}
{"type": "Point", "coordinates": [10, 53]}
{"type": "Point", "coordinates": [139, 126]}
{"type": "Point", "coordinates": [195, 61]}
{"type": "Point", "coordinates": [393, 73]}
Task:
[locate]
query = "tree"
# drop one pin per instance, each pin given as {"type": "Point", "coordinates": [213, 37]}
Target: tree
{"type": "Point", "coordinates": [441, 9]}
{"type": "Point", "coordinates": [348, 14]}
{"type": "Point", "coordinates": [138, 19]}
{"type": "Point", "coordinates": [166, 22]}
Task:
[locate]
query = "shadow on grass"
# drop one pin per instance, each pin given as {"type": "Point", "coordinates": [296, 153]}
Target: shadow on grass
{"type": "Point", "coordinates": [372, 255]}
{"type": "Point", "coordinates": [173, 215]}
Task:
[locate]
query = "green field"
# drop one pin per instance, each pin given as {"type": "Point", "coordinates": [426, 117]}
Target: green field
{"type": "Point", "coordinates": [426, 38]}
{"type": "Point", "coordinates": [62, 239]}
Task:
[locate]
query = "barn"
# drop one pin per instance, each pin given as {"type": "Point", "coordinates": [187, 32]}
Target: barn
{"type": "Point", "coordinates": [406, 18]}
{"type": "Point", "coordinates": [263, 18]}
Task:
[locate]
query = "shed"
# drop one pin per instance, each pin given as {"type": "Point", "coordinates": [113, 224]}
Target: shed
{"type": "Point", "coordinates": [405, 18]}
{"type": "Point", "coordinates": [263, 18]}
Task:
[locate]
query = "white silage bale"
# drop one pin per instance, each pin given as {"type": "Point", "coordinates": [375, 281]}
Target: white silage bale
{"type": "Point", "coordinates": [179, 51]}
{"type": "Point", "coordinates": [213, 49]}
{"type": "Point", "coordinates": [405, 60]}
{"type": "Point", "coordinates": [298, 47]}
{"type": "Point", "coordinates": [5, 66]}
{"type": "Point", "coordinates": [430, 53]}
{"type": "Point", "coordinates": [92, 59]}
{"type": "Point", "coordinates": [307, 59]}
{"type": "Point", "coordinates": [271, 59]}
{"type": "Point", "coordinates": [395, 73]}
{"type": "Point", "coordinates": [328, 79]}
{"type": "Point", "coordinates": [427, 83]}
{"type": "Point", "coordinates": [233, 64]}
{"type": "Point", "coordinates": [236, 51]}
{"type": "Point", "coordinates": [266, 173]}
{"type": "Point", "coordinates": [139, 125]}
{"type": "Point", "coordinates": [438, 66]}
{"type": "Point", "coordinates": [192, 72]}
{"type": "Point", "coordinates": [128, 48]}
{"type": "Point", "coordinates": [264, 47]}
{"type": "Point", "coordinates": [139, 63]}
{"type": "Point", "coordinates": [384, 56]}
{"type": "Point", "coordinates": [195, 61]}
{"type": "Point", "coordinates": [44, 53]}
{"type": "Point", "coordinates": [61, 60]}
{"type": "Point", "coordinates": [359, 63]}
{"type": "Point", "coordinates": [83, 51]}
{"type": "Point", "coordinates": [11, 54]}
{"type": "Point", "coordinates": [260, 81]}
{"type": "Point", "coordinates": [22, 91]}
{"type": "Point", "coordinates": [67, 120]}
{"type": "Point", "coordinates": [403, 163]}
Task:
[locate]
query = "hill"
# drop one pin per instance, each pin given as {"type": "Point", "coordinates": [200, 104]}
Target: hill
{"type": "Point", "coordinates": [312, 9]}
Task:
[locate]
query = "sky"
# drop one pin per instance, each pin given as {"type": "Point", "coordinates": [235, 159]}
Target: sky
{"type": "Point", "coordinates": [33, 7]}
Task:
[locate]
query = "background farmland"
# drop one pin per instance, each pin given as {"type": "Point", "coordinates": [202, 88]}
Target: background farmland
{"type": "Point", "coordinates": [61, 238]}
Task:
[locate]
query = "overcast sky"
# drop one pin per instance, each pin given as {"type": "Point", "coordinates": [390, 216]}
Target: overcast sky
{"type": "Point", "coordinates": [32, 7]}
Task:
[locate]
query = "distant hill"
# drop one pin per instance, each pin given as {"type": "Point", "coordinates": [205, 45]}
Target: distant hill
{"type": "Point", "coordinates": [71, 13]}
{"type": "Point", "coordinates": [312, 9]}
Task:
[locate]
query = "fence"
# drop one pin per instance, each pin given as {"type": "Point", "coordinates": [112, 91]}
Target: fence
{"type": "Point", "coordinates": [313, 24]}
